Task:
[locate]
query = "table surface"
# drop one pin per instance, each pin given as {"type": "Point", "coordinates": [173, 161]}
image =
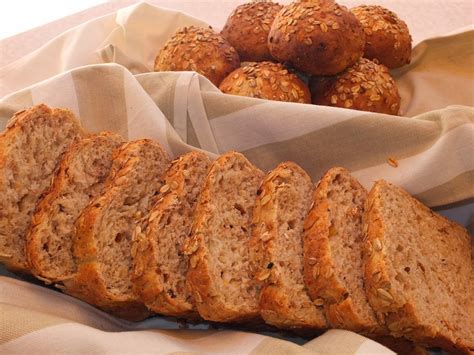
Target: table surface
{"type": "Point", "coordinates": [425, 18]}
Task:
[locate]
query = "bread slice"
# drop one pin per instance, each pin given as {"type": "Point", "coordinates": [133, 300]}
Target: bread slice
{"type": "Point", "coordinates": [277, 249]}
{"type": "Point", "coordinates": [333, 265]}
{"type": "Point", "coordinates": [103, 239]}
{"type": "Point", "coordinates": [80, 177]}
{"type": "Point", "coordinates": [159, 265]}
{"type": "Point", "coordinates": [418, 271]}
{"type": "Point", "coordinates": [30, 149]}
{"type": "Point", "coordinates": [219, 255]}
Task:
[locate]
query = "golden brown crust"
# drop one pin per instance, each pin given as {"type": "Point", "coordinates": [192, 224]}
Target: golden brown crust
{"type": "Point", "coordinates": [200, 273]}
{"type": "Point", "coordinates": [266, 80]}
{"type": "Point", "coordinates": [276, 307]}
{"type": "Point", "coordinates": [319, 38]}
{"type": "Point", "coordinates": [393, 309]}
{"type": "Point", "coordinates": [366, 86]}
{"type": "Point", "coordinates": [44, 212]}
{"type": "Point", "coordinates": [201, 50]}
{"type": "Point", "coordinates": [147, 280]}
{"type": "Point", "coordinates": [387, 37]}
{"type": "Point", "coordinates": [247, 29]}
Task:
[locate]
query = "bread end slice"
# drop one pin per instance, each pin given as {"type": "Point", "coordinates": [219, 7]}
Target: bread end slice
{"type": "Point", "coordinates": [160, 266]}
{"type": "Point", "coordinates": [277, 249]}
{"type": "Point", "coordinates": [418, 271]}
{"type": "Point", "coordinates": [219, 256]}
{"type": "Point", "coordinates": [333, 253]}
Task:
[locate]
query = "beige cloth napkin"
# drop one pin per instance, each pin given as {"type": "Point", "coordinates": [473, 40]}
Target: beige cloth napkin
{"type": "Point", "coordinates": [433, 145]}
{"type": "Point", "coordinates": [36, 320]}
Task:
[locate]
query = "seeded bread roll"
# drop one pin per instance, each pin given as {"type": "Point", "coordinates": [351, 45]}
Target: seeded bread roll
{"type": "Point", "coordinates": [333, 265]}
{"type": "Point", "coordinates": [366, 86]}
{"type": "Point", "coordinates": [319, 38]}
{"type": "Point", "coordinates": [247, 29]}
{"type": "Point", "coordinates": [201, 50]}
{"type": "Point", "coordinates": [159, 265]}
{"type": "Point", "coordinates": [419, 276]}
{"type": "Point", "coordinates": [218, 274]}
{"type": "Point", "coordinates": [387, 37]}
{"type": "Point", "coordinates": [276, 249]}
{"type": "Point", "coordinates": [30, 149]}
{"type": "Point", "coordinates": [80, 177]}
{"type": "Point", "coordinates": [103, 239]}
{"type": "Point", "coordinates": [266, 80]}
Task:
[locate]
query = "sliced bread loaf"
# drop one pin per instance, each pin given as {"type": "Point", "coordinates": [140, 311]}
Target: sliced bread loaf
{"type": "Point", "coordinates": [80, 177]}
{"type": "Point", "coordinates": [159, 265]}
{"type": "Point", "coordinates": [277, 249]}
{"type": "Point", "coordinates": [333, 266]}
{"type": "Point", "coordinates": [103, 239]}
{"type": "Point", "coordinates": [219, 256]}
{"type": "Point", "coordinates": [418, 271]}
{"type": "Point", "coordinates": [30, 149]}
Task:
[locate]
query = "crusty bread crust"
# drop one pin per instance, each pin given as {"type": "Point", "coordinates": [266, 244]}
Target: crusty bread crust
{"type": "Point", "coordinates": [324, 285]}
{"type": "Point", "coordinates": [276, 306]}
{"type": "Point", "coordinates": [201, 50]}
{"type": "Point", "coordinates": [247, 29]}
{"type": "Point", "coordinates": [90, 283]}
{"type": "Point", "coordinates": [147, 276]}
{"type": "Point", "coordinates": [334, 42]}
{"type": "Point", "coordinates": [50, 206]}
{"type": "Point", "coordinates": [398, 310]}
{"type": "Point", "coordinates": [387, 37]}
{"type": "Point", "coordinates": [201, 277]}
{"type": "Point", "coordinates": [365, 86]}
{"type": "Point", "coordinates": [18, 164]}
{"type": "Point", "coordinates": [266, 80]}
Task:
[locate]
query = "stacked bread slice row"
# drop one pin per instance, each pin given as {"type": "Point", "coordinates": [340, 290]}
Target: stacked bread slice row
{"type": "Point", "coordinates": [80, 177]}
{"type": "Point", "coordinates": [30, 149]}
{"type": "Point", "coordinates": [159, 263]}
{"type": "Point", "coordinates": [277, 249]}
{"type": "Point", "coordinates": [104, 229]}
{"type": "Point", "coordinates": [223, 241]}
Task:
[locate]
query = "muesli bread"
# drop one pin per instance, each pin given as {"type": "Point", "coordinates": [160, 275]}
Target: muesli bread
{"type": "Point", "coordinates": [316, 37]}
{"type": "Point", "coordinates": [159, 264]}
{"type": "Point", "coordinates": [419, 270]}
{"type": "Point", "coordinates": [80, 177]}
{"type": "Point", "coordinates": [277, 249]}
{"type": "Point", "coordinates": [333, 263]}
{"type": "Point", "coordinates": [30, 149]}
{"type": "Point", "coordinates": [218, 274]}
{"type": "Point", "coordinates": [103, 239]}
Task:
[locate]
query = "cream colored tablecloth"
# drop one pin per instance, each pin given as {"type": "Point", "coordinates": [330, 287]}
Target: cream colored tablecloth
{"type": "Point", "coordinates": [100, 70]}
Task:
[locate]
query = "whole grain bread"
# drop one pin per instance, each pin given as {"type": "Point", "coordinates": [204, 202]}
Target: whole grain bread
{"type": "Point", "coordinates": [80, 177]}
{"type": "Point", "coordinates": [219, 256]}
{"type": "Point", "coordinates": [333, 263]}
{"type": "Point", "coordinates": [159, 264]}
{"type": "Point", "coordinates": [277, 249]}
{"type": "Point", "coordinates": [103, 239]}
{"type": "Point", "coordinates": [418, 271]}
{"type": "Point", "coordinates": [30, 149]}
